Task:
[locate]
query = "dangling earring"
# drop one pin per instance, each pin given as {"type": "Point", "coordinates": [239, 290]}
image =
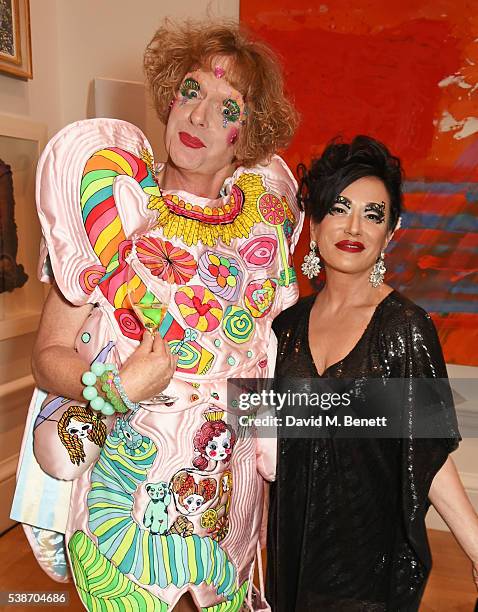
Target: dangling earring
{"type": "Point", "coordinates": [311, 265]}
{"type": "Point", "coordinates": [378, 271]}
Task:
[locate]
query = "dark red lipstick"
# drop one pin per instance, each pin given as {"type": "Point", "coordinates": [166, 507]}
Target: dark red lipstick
{"type": "Point", "coordinates": [190, 141]}
{"type": "Point", "coordinates": [350, 246]}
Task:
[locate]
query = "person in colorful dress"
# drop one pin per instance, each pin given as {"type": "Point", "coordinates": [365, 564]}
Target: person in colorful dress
{"type": "Point", "coordinates": [167, 495]}
{"type": "Point", "coordinates": [357, 499]}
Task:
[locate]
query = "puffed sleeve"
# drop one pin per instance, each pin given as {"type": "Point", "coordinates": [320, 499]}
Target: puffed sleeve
{"type": "Point", "coordinates": [279, 209]}
{"type": "Point", "coordinates": [93, 184]}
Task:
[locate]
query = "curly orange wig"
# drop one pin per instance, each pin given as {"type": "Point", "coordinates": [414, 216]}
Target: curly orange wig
{"type": "Point", "coordinates": [254, 70]}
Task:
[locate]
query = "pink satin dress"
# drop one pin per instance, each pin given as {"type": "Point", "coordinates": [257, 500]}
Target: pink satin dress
{"type": "Point", "coordinates": [168, 498]}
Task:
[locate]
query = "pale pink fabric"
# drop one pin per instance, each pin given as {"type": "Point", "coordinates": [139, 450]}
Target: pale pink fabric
{"type": "Point", "coordinates": [171, 428]}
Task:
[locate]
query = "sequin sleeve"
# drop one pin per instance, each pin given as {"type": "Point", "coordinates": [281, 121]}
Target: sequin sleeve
{"type": "Point", "coordinates": [414, 348]}
{"type": "Point", "coordinates": [410, 343]}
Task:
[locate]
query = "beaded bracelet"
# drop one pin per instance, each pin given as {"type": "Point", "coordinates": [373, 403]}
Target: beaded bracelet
{"type": "Point", "coordinates": [106, 381]}
{"type": "Point", "coordinates": [122, 393]}
{"type": "Point", "coordinates": [90, 393]}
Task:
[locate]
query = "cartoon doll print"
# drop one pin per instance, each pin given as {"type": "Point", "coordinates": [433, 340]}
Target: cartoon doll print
{"type": "Point", "coordinates": [131, 438]}
{"type": "Point", "coordinates": [214, 441]}
{"type": "Point", "coordinates": [215, 520]}
{"type": "Point", "coordinates": [191, 495]}
{"type": "Point", "coordinates": [77, 424]}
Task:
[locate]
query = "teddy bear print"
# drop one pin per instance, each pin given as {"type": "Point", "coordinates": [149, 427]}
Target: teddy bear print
{"type": "Point", "coordinates": [156, 515]}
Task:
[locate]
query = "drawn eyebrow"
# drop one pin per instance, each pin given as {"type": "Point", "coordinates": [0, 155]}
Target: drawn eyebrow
{"type": "Point", "coordinates": [340, 199]}
{"type": "Point", "coordinates": [380, 205]}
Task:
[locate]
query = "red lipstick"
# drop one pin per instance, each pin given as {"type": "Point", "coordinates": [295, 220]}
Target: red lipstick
{"type": "Point", "coordinates": [350, 246]}
{"type": "Point", "coordinates": [190, 141]}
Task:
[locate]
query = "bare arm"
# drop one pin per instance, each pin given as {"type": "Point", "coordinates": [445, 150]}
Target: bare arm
{"type": "Point", "coordinates": [57, 367]}
{"type": "Point", "coordinates": [451, 502]}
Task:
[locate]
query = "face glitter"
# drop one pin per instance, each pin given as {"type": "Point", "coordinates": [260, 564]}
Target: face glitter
{"type": "Point", "coordinates": [219, 72]}
{"type": "Point", "coordinates": [372, 211]}
{"type": "Point", "coordinates": [217, 99]}
{"type": "Point", "coordinates": [340, 200]}
{"type": "Point", "coordinates": [231, 111]}
{"type": "Point", "coordinates": [233, 136]}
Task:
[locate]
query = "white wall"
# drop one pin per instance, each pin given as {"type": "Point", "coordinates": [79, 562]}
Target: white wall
{"type": "Point", "coordinates": [38, 99]}
{"type": "Point", "coordinates": [108, 38]}
{"type": "Point", "coordinates": [73, 41]}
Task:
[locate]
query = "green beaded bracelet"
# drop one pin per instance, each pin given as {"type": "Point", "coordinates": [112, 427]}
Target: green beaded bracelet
{"type": "Point", "coordinates": [90, 393]}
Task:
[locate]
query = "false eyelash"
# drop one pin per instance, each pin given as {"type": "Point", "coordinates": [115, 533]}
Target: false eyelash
{"type": "Point", "coordinates": [336, 210]}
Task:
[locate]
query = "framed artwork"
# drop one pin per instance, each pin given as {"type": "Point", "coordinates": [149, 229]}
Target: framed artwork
{"type": "Point", "coordinates": [409, 77]}
{"type": "Point", "coordinates": [21, 293]}
{"type": "Point", "coordinates": [15, 40]}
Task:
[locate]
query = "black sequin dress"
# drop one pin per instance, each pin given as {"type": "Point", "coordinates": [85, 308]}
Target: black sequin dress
{"type": "Point", "coordinates": [347, 516]}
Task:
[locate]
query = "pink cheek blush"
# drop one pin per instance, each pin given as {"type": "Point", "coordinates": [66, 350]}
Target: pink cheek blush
{"type": "Point", "coordinates": [212, 453]}
{"type": "Point", "coordinates": [233, 136]}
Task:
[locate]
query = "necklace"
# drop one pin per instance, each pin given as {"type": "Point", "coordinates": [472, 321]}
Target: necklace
{"type": "Point", "coordinates": [219, 219]}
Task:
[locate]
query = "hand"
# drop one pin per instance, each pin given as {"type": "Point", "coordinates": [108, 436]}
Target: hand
{"type": "Point", "coordinates": [149, 369]}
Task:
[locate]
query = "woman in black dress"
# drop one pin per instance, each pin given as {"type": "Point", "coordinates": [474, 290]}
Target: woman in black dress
{"type": "Point", "coordinates": [347, 516]}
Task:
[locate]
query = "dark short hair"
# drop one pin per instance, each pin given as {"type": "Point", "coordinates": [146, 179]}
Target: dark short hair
{"type": "Point", "coordinates": [340, 165]}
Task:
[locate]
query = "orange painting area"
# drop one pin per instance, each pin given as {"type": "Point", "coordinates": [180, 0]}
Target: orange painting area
{"type": "Point", "coordinates": [458, 335]}
{"type": "Point", "coordinates": [407, 74]}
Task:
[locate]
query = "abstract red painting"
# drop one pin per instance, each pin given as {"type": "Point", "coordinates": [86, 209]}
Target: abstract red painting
{"type": "Point", "coordinates": [407, 74]}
